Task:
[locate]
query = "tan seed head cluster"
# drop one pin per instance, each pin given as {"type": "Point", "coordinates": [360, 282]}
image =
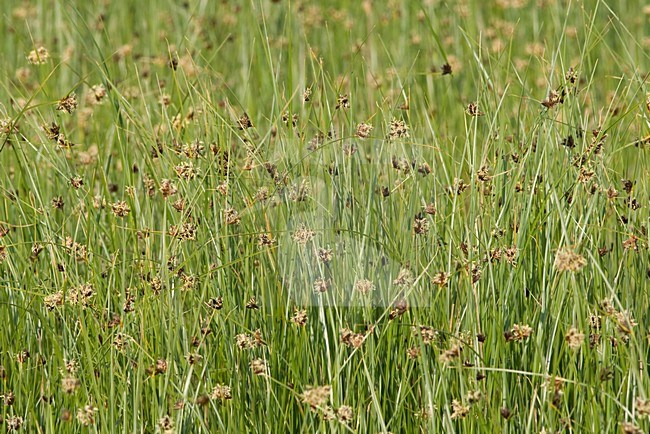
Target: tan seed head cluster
{"type": "Point", "coordinates": [568, 260]}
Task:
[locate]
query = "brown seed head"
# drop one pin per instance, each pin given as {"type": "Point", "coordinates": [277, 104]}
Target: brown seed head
{"type": "Point", "coordinates": [441, 278]}
{"type": "Point", "coordinates": [316, 396]}
{"type": "Point", "coordinates": [68, 103]}
{"type": "Point", "coordinates": [244, 122]}
{"type": "Point", "coordinates": [38, 56]}
{"type": "Point", "coordinates": [86, 415]}
{"type": "Point", "coordinates": [459, 411]}
{"type": "Point", "coordinates": [398, 129]}
{"type": "Point", "coordinates": [221, 392]}
{"type": "Point", "coordinates": [299, 317]}
{"type": "Point", "coordinates": [345, 413]}
{"type": "Point", "coordinates": [473, 110]}
{"type": "Point", "coordinates": [342, 102]}
{"type": "Point", "coordinates": [120, 208]}
{"type": "Point", "coordinates": [258, 366]}
{"type": "Point", "coordinates": [364, 286]}
{"type": "Point", "coordinates": [574, 338]}
{"type": "Point", "coordinates": [363, 130]}
{"type": "Point", "coordinates": [568, 260]}
{"type": "Point", "coordinates": [351, 339]}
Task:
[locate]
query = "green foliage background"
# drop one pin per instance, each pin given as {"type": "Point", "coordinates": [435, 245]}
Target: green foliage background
{"type": "Point", "coordinates": [537, 180]}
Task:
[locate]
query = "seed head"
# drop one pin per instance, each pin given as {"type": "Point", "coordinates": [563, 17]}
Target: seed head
{"type": "Point", "coordinates": [574, 338]}
{"type": "Point", "coordinates": [303, 235]}
{"type": "Point", "coordinates": [68, 103]}
{"type": "Point", "coordinates": [321, 285]}
{"type": "Point", "coordinates": [76, 182]}
{"type": "Point", "coordinates": [244, 341]}
{"type": "Point", "coordinates": [642, 406]}
{"type": "Point", "coordinates": [316, 396]}
{"type": "Point", "coordinates": [258, 366]}
{"type": "Point", "coordinates": [510, 255]}
{"type": "Point", "coordinates": [14, 423]}
{"type": "Point", "coordinates": [38, 56]}
{"type": "Point", "coordinates": [306, 95]}
{"type": "Point", "coordinates": [215, 303]}
{"type": "Point", "coordinates": [427, 334]}
{"type": "Point", "coordinates": [166, 424]}
{"type": "Point", "coordinates": [96, 95]}
{"type": "Point", "coordinates": [190, 282]}
{"type": "Point", "coordinates": [345, 413]}
{"type": "Point", "coordinates": [185, 170]}
{"type": "Point", "coordinates": [624, 322]}
{"type": "Point", "coordinates": [193, 149]}
{"type": "Point", "coordinates": [53, 300]}
{"type": "Point", "coordinates": [300, 192]}
{"type": "Point", "coordinates": [399, 308]}
{"type": "Point", "coordinates": [554, 98]}
{"type": "Point", "coordinates": [266, 240]}
{"type": "Point", "coordinates": [7, 126]}
{"type": "Point", "coordinates": [3, 253]}
{"type": "Point", "coordinates": [473, 110]}
{"type": "Point", "coordinates": [518, 333]}
{"type": "Point", "coordinates": [120, 208]}
{"type": "Point", "coordinates": [299, 317]}
{"type": "Point", "coordinates": [156, 285]}
{"type": "Point", "coordinates": [70, 384]}
{"type": "Point", "coordinates": [244, 122]}
{"type": "Point", "coordinates": [571, 76]}
{"type": "Point", "coordinates": [363, 130]}
{"type": "Point", "coordinates": [252, 304]}
{"type": "Point", "coordinates": [161, 366]}
{"type": "Point", "coordinates": [221, 392]}
{"type": "Point", "coordinates": [451, 354]}
{"type": "Point", "coordinates": [351, 339]}
{"type": "Point", "coordinates": [286, 118]}
{"type": "Point", "coordinates": [57, 202]}
{"type": "Point", "coordinates": [568, 260]}
{"type": "Point", "coordinates": [193, 358]}
{"type": "Point", "coordinates": [167, 188]}
{"type": "Point", "coordinates": [8, 398]}
{"type": "Point", "coordinates": [474, 397]}
{"type": "Point", "coordinates": [430, 209]}
{"type": "Point", "coordinates": [420, 224]}
{"type": "Point", "coordinates": [459, 411]}
{"type": "Point", "coordinates": [342, 102]}
{"type": "Point", "coordinates": [185, 231]}
{"type": "Point", "coordinates": [441, 278]}
{"type": "Point", "coordinates": [86, 415]}
{"type": "Point", "coordinates": [324, 255]}
{"type": "Point", "coordinates": [232, 216]}
{"type": "Point", "coordinates": [483, 174]}
{"type": "Point", "coordinates": [413, 352]}
{"type": "Point", "coordinates": [22, 356]}
{"type": "Point", "coordinates": [631, 243]}
{"type": "Point", "coordinates": [630, 428]}
{"type": "Point", "coordinates": [404, 278]}
{"type": "Point", "coordinates": [398, 129]}
{"type": "Point", "coordinates": [458, 186]}
{"type": "Point", "coordinates": [424, 168]}
{"type": "Point", "coordinates": [364, 286]}
{"type": "Point", "coordinates": [120, 341]}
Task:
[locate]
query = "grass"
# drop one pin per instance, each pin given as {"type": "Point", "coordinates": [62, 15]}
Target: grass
{"type": "Point", "coordinates": [482, 251]}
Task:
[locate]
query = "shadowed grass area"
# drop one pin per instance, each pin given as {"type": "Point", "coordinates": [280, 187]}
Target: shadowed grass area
{"type": "Point", "coordinates": [301, 216]}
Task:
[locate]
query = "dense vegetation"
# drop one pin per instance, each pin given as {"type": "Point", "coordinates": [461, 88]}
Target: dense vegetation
{"type": "Point", "coordinates": [302, 216]}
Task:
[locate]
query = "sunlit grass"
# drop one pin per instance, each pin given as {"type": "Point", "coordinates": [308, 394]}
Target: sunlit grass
{"type": "Point", "coordinates": [324, 217]}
